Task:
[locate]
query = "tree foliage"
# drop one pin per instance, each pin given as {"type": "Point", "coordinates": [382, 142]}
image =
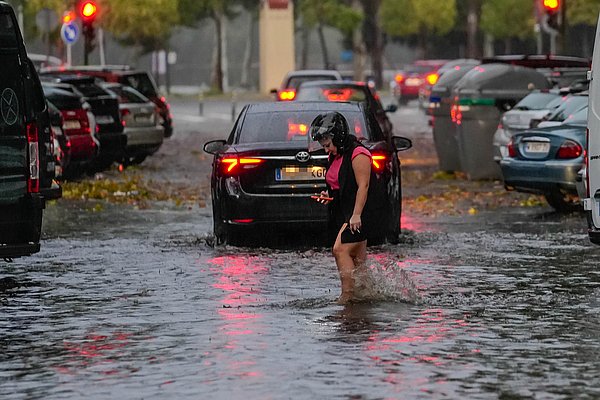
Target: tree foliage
{"type": "Point", "coordinates": [583, 12]}
{"type": "Point", "coordinates": [409, 17]}
{"type": "Point", "coordinates": [504, 19]}
{"type": "Point", "coordinates": [333, 13]}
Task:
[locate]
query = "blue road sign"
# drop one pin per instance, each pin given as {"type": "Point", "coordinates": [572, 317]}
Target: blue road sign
{"type": "Point", "coordinates": [69, 33]}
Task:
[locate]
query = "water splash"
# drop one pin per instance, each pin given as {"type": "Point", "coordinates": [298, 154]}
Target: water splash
{"type": "Point", "coordinates": [385, 282]}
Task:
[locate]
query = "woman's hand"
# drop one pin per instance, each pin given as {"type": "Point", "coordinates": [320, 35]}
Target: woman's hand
{"type": "Point", "coordinates": [355, 223]}
{"type": "Point", "coordinates": [324, 197]}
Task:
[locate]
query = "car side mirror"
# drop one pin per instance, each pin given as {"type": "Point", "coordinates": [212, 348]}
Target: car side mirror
{"type": "Point", "coordinates": [215, 146]}
{"type": "Point", "coordinates": [392, 108]}
{"type": "Point", "coordinates": [401, 143]}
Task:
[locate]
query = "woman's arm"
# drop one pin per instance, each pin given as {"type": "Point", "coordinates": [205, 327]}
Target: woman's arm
{"type": "Point", "coordinates": [361, 164]}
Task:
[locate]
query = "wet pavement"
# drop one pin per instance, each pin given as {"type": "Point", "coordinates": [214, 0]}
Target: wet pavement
{"type": "Point", "coordinates": [140, 304]}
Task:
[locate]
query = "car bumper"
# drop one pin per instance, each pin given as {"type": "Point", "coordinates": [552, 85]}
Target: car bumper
{"type": "Point", "coordinates": [52, 193]}
{"type": "Point", "coordinates": [112, 144]}
{"type": "Point", "coordinates": [18, 250]}
{"type": "Point", "coordinates": [538, 177]}
{"type": "Point", "coordinates": [20, 226]}
{"type": "Point", "coordinates": [246, 209]}
{"type": "Point", "coordinates": [144, 138]}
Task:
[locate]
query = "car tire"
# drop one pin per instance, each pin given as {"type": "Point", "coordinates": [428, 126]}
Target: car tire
{"type": "Point", "coordinates": [395, 200]}
{"type": "Point", "coordinates": [31, 231]}
{"type": "Point", "coordinates": [563, 202]}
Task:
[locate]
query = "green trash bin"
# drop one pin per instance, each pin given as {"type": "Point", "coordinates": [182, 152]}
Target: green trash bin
{"type": "Point", "coordinates": [480, 98]}
{"type": "Point", "coordinates": [440, 104]}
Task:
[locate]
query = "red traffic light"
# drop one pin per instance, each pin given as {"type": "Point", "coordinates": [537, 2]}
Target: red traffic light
{"type": "Point", "coordinates": [88, 9]}
{"type": "Point", "coordinates": [551, 5]}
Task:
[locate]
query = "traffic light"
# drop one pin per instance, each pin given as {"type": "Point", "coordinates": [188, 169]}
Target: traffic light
{"type": "Point", "coordinates": [552, 10]}
{"type": "Point", "coordinates": [88, 10]}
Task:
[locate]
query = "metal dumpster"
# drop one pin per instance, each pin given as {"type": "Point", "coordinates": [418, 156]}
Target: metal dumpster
{"type": "Point", "coordinates": [479, 99]}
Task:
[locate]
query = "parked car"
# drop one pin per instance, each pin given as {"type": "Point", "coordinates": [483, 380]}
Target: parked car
{"type": "Point", "coordinates": [293, 79]}
{"type": "Point", "coordinates": [415, 76]}
{"type": "Point", "coordinates": [61, 143]}
{"type": "Point", "coordinates": [105, 107]}
{"type": "Point", "coordinates": [348, 91]}
{"type": "Point", "coordinates": [78, 126]}
{"type": "Point", "coordinates": [546, 161]}
{"type": "Point", "coordinates": [140, 80]}
{"type": "Point", "coordinates": [535, 105]}
{"type": "Point", "coordinates": [452, 65]}
{"type": "Point", "coordinates": [141, 121]}
{"type": "Point", "coordinates": [21, 104]}
{"type": "Point", "coordinates": [263, 174]}
{"type": "Point", "coordinates": [569, 105]}
{"type": "Point", "coordinates": [44, 61]}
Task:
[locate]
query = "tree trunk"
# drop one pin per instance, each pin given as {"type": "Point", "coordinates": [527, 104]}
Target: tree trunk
{"type": "Point", "coordinates": [224, 58]}
{"type": "Point", "coordinates": [358, 47]}
{"type": "Point", "coordinates": [373, 38]}
{"type": "Point", "coordinates": [422, 49]}
{"type": "Point", "coordinates": [217, 72]}
{"type": "Point", "coordinates": [247, 63]}
{"type": "Point", "coordinates": [473, 28]}
{"type": "Point", "coordinates": [305, 36]}
{"type": "Point", "coordinates": [323, 46]}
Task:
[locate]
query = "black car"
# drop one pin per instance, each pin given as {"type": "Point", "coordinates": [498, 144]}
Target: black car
{"type": "Point", "coordinates": [21, 107]}
{"type": "Point", "coordinates": [105, 107]}
{"type": "Point", "coordinates": [348, 91]}
{"type": "Point", "coordinates": [264, 173]}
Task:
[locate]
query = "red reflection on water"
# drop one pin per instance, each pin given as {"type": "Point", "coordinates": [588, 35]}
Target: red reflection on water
{"type": "Point", "coordinates": [411, 223]}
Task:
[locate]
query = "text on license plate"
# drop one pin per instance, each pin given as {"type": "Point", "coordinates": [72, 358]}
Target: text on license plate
{"type": "Point", "coordinates": [537, 147]}
{"type": "Point", "coordinates": [299, 173]}
{"type": "Point", "coordinates": [71, 124]}
{"type": "Point", "coordinates": [104, 119]}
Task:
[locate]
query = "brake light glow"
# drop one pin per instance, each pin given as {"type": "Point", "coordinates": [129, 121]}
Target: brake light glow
{"type": "Point", "coordinates": [338, 94]}
{"type": "Point", "coordinates": [230, 163]}
{"type": "Point", "coordinates": [585, 159]}
{"type": "Point", "coordinates": [378, 161]}
{"type": "Point", "coordinates": [569, 149]}
{"type": "Point", "coordinates": [243, 221]}
{"type": "Point", "coordinates": [432, 78]}
{"type": "Point", "coordinates": [33, 180]}
{"type": "Point", "coordinates": [512, 149]}
{"type": "Point", "coordinates": [399, 78]}
{"type": "Point", "coordinates": [287, 95]}
{"type": "Point", "coordinates": [124, 113]}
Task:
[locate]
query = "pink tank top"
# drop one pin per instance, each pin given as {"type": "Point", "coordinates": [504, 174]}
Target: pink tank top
{"type": "Point", "coordinates": [334, 169]}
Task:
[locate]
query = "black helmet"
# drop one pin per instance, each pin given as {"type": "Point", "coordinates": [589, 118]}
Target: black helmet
{"type": "Point", "coordinates": [332, 124]}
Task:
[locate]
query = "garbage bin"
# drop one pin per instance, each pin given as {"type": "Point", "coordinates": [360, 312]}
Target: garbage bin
{"type": "Point", "coordinates": [440, 103]}
{"type": "Point", "coordinates": [479, 99]}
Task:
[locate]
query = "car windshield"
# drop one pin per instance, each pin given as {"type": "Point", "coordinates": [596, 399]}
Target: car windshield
{"type": "Point", "coordinates": [295, 81]}
{"type": "Point", "coordinates": [569, 106]}
{"type": "Point", "coordinates": [578, 118]}
{"type": "Point", "coordinates": [142, 83]}
{"type": "Point", "coordinates": [418, 69]}
{"type": "Point", "coordinates": [89, 89]}
{"type": "Point", "coordinates": [284, 126]}
{"type": "Point", "coordinates": [536, 101]}
{"type": "Point", "coordinates": [61, 99]}
{"type": "Point", "coordinates": [338, 93]}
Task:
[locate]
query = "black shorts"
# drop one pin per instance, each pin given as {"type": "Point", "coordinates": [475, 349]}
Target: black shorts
{"type": "Point", "coordinates": [353, 237]}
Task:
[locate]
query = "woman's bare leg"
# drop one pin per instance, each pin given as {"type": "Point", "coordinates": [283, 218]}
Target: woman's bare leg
{"type": "Point", "coordinates": [345, 255]}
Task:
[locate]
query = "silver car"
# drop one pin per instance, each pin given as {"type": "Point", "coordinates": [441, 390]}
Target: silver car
{"type": "Point", "coordinates": [141, 121]}
{"type": "Point", "coordinates": [532, 107]}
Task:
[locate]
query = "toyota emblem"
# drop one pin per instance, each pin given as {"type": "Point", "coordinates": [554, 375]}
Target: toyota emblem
{"type": "Point", "coordinates": [303, 156]}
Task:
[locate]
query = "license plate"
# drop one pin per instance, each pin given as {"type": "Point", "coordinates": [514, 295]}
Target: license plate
{"type": "Point", "coordinates": [143, 118]}
{"type": "Point", "coordinates": [537, 147]}
{"type": "Point", "coordinates": [299, 174]}
{"type": "Point", "coordinates": [413, 82]}
{"type": "Point", "coordinates": [104, 119]}
{"type": "Point", "coordinates": [71, 124]}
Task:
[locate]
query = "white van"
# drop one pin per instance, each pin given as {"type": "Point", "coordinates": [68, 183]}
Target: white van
{"type": "Point", "coordinates": [591, 203]}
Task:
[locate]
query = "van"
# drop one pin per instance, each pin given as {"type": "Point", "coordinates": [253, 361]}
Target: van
{"type": "Point", "coordinates": [21, 105]}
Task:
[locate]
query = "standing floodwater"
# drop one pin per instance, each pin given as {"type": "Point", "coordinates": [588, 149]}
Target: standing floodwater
{"type": "Point", "coordinates": [138, 304]}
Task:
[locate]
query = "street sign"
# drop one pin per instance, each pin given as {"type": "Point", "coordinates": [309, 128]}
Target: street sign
{"type": "Point", "coordinates": [69, 33]}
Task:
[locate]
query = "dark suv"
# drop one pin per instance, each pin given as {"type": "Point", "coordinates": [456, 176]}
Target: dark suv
{"type": "Point", "coordinates": [21, 106]}
{"type": "Point", "coordinates": [139, 80]}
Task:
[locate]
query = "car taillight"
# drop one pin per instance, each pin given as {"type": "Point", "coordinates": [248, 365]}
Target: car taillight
{"type": "Point", "coordinates": [33, 180]}
{"type": "Point", "coordinates": [124, 113]}
{"type": "Point", "coordinates": [378, 161]}
{"type": "Point", "coordinates": [432, 78]}
{"type": "Point", "coordinates": [231, 165]}
{"type": "Point", "coordinates": [512, 149]}
{"type": "Point", "coordinates": [287, 95]}
{"type": "Point", "coordinates": [569, 149]}
{"type": "Point", "coordinates": [338, 94]}
{"type": "Point", "coordinates": [456, 114]}
{"type": "Point", "coordinates": [399, 78]}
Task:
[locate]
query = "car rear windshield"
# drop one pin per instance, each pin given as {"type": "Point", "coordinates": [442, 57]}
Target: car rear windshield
{"type": "Point", "coordinates": [8, 31]}
{"type": "Point", "coordinates": [284, 126]}
{"type": "Point", "coordinates": [127, 95]}
{"type": "Point", "coordinates": [570, 105]}
{"type": "Point", "coordinates": [295, 81]}
{"type": "Point", "coordinates": [140, 82]}
{"type": "Point", "coordinates": [63, 102]}
{"type": "Point", "coordinates": [341, 93]}
{"type": "Point", "coordinates": [536, 101]}
{"type": "Point", "coordinates": [89, 89]}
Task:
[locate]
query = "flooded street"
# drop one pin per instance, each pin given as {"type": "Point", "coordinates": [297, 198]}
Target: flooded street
{"type": "Point", "coordinates": [138, 303]}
